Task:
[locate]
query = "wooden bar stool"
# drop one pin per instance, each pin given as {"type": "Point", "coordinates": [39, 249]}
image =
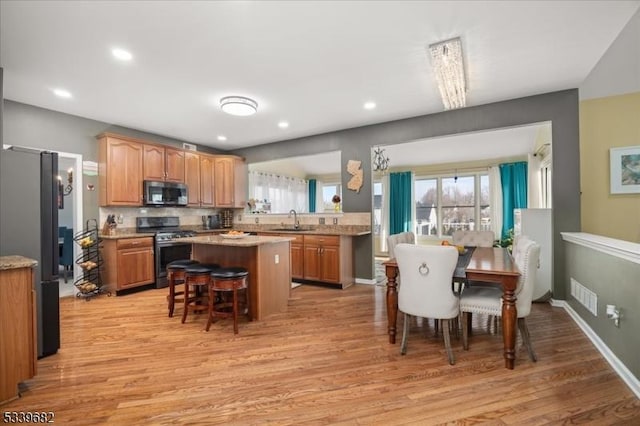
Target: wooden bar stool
{"type": "Point", "coordinates": [227, 280]}
{"type": "Point", "coordinates": [175, 276]}
{"type": "Point", "coordinates": [196, 279]}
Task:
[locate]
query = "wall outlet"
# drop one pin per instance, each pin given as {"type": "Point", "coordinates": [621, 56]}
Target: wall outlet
{"type": "Point", "coordinates": [120, 219]}
{"type": "Point", "coordinates": [277, 259]}
{"type": "Point", "coordinates": [321, 221]}
{"type": "Point", "coordinates": [335, 220]}
{"type": "Point", "coordinates": [257, 220]}
{"type": "Point", "coordinates": [239, 218]}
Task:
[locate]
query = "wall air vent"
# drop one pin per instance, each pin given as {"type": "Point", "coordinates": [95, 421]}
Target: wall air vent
{"type": "Point", "coordinates": [189, 146]}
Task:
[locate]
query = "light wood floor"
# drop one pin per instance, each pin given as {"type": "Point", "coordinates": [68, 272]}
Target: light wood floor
{"type": "Point", "coordinates": [326, 361]}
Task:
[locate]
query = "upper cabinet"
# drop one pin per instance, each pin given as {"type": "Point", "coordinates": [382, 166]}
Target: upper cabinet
{"type": "Point", "coordinates": [192, 178]}
{"type": "Point", "coordinates": [163, 163]}
{"type": "Point", "coordinates": [124, 163]}
{"type": "Point", "coordinates": [206, 180]}
{"type": "Point", "coordinates": [120, 171]}
{"type": "Point", "coordinates": [230, 182]}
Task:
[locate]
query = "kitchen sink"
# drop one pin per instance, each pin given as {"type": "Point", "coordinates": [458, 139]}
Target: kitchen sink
{"type": "Point", "coordinates": [289, 230]}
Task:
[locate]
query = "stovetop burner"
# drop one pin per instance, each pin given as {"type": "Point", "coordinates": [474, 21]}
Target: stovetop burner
{"type": "Point", "coordinates": [173, 235]}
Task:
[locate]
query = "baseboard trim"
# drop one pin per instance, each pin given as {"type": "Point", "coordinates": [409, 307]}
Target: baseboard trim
{"type": "Point", "coordinates": [365, 281]}
{"type": "Point", "coordinates": [624, 373]}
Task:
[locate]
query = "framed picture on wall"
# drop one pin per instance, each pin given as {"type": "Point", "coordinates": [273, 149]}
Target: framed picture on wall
{"type": "Point", "coordinates": [625, 170]}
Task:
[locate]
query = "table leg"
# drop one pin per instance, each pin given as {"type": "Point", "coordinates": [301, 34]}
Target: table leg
{"type": "Point", "coordinates": [392, 300]}
{"type": "Point", "coordinates": [509, 318]}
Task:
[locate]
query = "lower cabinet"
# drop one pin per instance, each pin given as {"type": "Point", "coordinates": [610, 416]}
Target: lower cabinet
{"type": "Point", "coordinates": [322, 258]}
{"type": "Point", "coordinates": [326, 259]}
{"type": "Point", "coordinates": [129, 262]}
{"type": "Point", "coordinates": [17, 330]}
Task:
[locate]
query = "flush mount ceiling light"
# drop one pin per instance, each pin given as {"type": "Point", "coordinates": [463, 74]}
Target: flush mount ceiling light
{"type": "Point", "coordinates": [238, 105]}
{"type": "Point", "coordinates": [369, 105]}
{"type": "Point", "coordinates": [446, 58]}
{"type": "Point", "coordinates": [121, 54]}
{"type": "Point", "coordinates": [62, 93]}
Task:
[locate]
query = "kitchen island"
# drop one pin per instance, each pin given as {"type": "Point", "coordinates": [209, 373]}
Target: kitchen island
{"type": "Point", "coordinates": [267, 260]}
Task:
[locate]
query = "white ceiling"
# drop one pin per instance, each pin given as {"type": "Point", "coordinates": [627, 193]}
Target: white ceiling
{"type": "Point", "coordinates": [310, 63]}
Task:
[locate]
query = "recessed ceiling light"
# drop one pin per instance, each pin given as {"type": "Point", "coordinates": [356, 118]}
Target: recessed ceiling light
{"type": "Point", "coordinates": [61, 93]}
{"type": "Point", "coordinates": [283, 124]}
{"type": "Point", "coordinates": [369, 105]}
{"type": "Point", "coordinates": [222, 138]}
{"type": "Point", "coordinates": [238, 105]}
{"type": "Point", "coordinates": [121, 54]}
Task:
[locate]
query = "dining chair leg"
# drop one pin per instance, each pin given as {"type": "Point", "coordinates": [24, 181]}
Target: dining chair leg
{"type": "Point", "coordinates": [447, 341]}
{"type": "Point", "coordinates": [526, 339]}
{"type": "Point", "coordinates": [405, 334]}
{"type": "Point", "coordinates": [465, 330]}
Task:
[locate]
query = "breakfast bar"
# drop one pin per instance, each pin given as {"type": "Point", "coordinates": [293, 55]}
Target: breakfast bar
{"type": "Point", "coordinates": [266, 258]}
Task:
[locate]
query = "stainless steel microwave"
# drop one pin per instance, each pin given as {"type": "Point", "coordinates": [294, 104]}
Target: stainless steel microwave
{"type": "Point", "coordinates": [157, 193]}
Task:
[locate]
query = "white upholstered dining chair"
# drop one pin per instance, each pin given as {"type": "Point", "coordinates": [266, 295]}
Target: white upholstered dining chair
{"type": "Point", "coordinates": [473, 238]}
{"type": "Point", "coordinates": [401, 238]}
{"type": "Point", "coordinates": [426, 287]}
{"type": "Point", "coordinates": [488, 300]}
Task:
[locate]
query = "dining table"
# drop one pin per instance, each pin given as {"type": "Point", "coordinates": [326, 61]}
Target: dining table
{"type": "Point", "coordinates": [486, 264]}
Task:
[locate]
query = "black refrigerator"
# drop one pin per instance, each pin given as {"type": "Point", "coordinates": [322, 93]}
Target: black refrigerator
{"type": "Point", "coordinates": [29, 227]}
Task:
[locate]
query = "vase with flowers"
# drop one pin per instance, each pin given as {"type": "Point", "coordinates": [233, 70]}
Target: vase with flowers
{"type": "Point", "coordinates": [336, 202]}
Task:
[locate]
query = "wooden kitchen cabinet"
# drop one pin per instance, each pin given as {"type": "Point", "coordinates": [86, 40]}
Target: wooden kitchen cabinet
{"type": "Point", "coordinates": [17, 330]}
{"type": "Point", "coordinates": [128, 262]}
{"type": "Point", "coordinates": [206, 180]}
{"type": "Point", "coordinates": [321, 262]}
{"type": "Point", "coordinates": [199, 178]}
{"type": "Point", "coordinates": [297, 257]}
{"type": "Point", "coordinates": [328, 259]}
{"type": "Point", "coordinates": [296, 252]}
{"type": "Point", "coordinates": [162, 163]}
{"type": "Point", "coordinates": [230, 182]}
{"type": "Point", "coordinates": [120, 171]}
{"type": "Point", "coordinates": [192, 178]}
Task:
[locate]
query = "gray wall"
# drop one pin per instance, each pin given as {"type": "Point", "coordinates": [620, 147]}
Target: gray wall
{"type": "Point", "coordinates": [616, 282]}
{"type": "Point", "coordinates": [561, 108]}
{"type": "Point", "coordinates": [26, 125]}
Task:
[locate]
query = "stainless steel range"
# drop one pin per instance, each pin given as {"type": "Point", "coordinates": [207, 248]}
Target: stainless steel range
{"type": "Point", "coordinates": [168, 246]}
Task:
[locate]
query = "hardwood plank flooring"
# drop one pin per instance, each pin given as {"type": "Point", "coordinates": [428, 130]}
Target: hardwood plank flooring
{"type": "Point", "coordinates": [326, 361]}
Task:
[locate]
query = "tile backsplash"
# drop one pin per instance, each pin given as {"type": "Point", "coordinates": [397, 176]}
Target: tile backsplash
{"type": "Point", "coordinates": [193, 216]}
{"type": "Point", "coordinates": [188, 216]}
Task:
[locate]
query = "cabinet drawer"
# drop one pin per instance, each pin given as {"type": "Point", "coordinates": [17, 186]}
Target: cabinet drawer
{"type": "Point", "coordinates": [128, 243]}
{"type": "Point", "coordinates": [299, 239]}
{"type": "Point", "coordinates": [323, 240]}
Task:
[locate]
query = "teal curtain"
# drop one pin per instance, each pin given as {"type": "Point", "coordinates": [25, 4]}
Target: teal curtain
{"type": "Point", "coordinates": [400, 191]}
{"type": "Point", "coordinates": [513, 177]}
{"type": "Point", "coordinates": [312, 195]}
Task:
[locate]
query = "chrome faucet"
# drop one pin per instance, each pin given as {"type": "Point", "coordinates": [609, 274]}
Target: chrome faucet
{"type": "Point", "coordinates": [296, 224]}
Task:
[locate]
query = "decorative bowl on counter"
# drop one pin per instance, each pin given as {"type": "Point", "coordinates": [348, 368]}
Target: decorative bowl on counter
{"type": "Point", "coordinates": [234, 235]}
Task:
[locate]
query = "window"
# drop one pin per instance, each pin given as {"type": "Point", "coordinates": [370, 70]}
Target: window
{"type": "Point", "coordinates": [377, 208]}
{"type": "Point", "coordinates": [277, 194]}
{"type": "Point", "coordinates": [446, 204]}
{"type": "Point", "coordinates": [426, 195]}
{"type": "Point", "coordinates": [328, 191]}
{"type": "Point", "coordinates": [545, 182]}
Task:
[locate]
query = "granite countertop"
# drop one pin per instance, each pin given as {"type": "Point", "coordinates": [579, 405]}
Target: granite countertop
{"type": "Point", "coordinates": [15, 262]}
{"type": "Point", "coordinates": [347, 230]}
{"type": "Point", "coordinates": [246, 241]}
